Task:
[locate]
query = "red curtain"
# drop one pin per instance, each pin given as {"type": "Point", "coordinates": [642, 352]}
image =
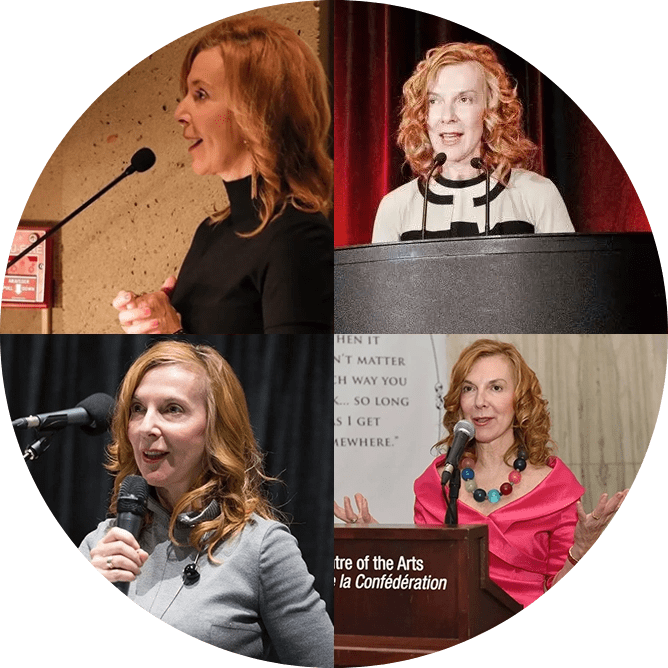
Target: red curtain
{"type": "Point", "coordinates": [376, 48]}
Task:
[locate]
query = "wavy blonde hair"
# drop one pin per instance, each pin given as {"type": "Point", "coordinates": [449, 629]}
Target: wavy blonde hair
{"type": "Point", "coordinates": [504, 144]}
{"type": "Point", "coordinates": [232, 469]}
{"type": "Point", "coordinates": [277, 93]}
{"type": "Point", "coordinates": [531, 425]}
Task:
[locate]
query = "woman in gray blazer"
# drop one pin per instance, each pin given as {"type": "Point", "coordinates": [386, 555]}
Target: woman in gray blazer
{"type": "Point", "coordinates": [210, 558]}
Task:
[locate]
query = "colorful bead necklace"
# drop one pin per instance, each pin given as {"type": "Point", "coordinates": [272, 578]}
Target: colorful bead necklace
{"type": "Point", "coordinates": [494, 495]}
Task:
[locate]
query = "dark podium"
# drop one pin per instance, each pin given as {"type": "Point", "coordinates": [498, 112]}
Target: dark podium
{"type": "Point", "coordinates": [537, 283]}
{"type": "Point", "coordinates": [403, 591]}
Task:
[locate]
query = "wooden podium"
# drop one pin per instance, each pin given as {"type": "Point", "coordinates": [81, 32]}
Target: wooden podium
{"type": "Point", "coordinates": [403, 591]}
{"type": "Point", "coordinates": [537, 283]}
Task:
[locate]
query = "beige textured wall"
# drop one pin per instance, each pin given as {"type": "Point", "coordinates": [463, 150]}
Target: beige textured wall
{"type": "Point", "coordinates": [138, 233]}
{"type": "Point", "coordinates": [604, 393]}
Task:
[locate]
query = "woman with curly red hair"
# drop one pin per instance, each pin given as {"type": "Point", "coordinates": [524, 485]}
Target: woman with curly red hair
{"type": "Point", "coordinates": [210, 559]}
{"type": "Point", "coordinates": [461, 102]}
{"type": "Point", "coordinates": [255, 112]}
{"type": "Point", "coordinates": [512, 482]}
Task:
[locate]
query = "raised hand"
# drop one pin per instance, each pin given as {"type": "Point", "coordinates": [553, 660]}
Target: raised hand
{"type": "Point", "coordinates": [590, 526]}
{"type": "Point", "coordinates": [348, 515]}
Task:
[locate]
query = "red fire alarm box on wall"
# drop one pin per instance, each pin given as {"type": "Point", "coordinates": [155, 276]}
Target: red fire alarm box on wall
{"type": "Point", "coordinates": [28, 283]}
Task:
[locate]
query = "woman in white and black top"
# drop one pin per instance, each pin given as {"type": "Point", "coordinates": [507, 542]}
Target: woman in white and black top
{"type": "Point", "coordinates": [460, 102]}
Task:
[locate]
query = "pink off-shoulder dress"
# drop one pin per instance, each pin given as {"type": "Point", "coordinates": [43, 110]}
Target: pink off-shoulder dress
{"type": "Point", "coordinates": [529, 537]}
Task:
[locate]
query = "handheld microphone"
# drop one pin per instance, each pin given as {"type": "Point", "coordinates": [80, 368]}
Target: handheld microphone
{"type": "Point", "coordinates": [92, 415]}
{"type": "Point", "coordinates": [464, 432]}
{"type": "Point", "coordinates": [439, 159]}
{"type": "Point", "coordinates": [130, 509]}
{"type": "Point", "coordinates": [477, 163]}
{"type": "Point", "coordinates": [141, 161]}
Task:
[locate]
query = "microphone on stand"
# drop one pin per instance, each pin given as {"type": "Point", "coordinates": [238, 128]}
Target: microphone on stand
{"type": "Point", "coordinates": [439, 159]}
{"type": "Point", "coordinates": [141, 161]}
{"type": "Point", "coordinates": [92, 414]}
{"type": "Point", "coordinates": [130, 509]}
{"type": "Point", "coordinates": [464, 432]}
{"type": "Point", "coordinates": [477, 163]}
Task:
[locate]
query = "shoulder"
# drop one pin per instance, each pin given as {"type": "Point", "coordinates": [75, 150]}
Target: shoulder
{"type": "Point", "coordinates": [542, 200]}
{"type": "Point", "coordinates": [203, 233]}
{"type": "Point", "coordinates": [565, 476]}
{"type": "Point", "coordinates": [531, 182]}
{"type": "Point", "coordinates": [259, 533]}
{"type": "Point", "coordinates": [425, 482]}
{"type": "Point", "coordinates": [560, 485]}
{"type": "Point", "coordinates": [393, 208]}
{"type": "Point", "coordinates": [294, 220]}
{"type": "Point", "coordinates": [405, 192]}
{"type": "Point", "coordinates": [296, 230]}
{"type": "Point", "coordinates": [269, 547]}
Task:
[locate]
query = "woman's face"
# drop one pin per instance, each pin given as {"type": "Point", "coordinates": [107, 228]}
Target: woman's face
{"type": "Point", "coordinates": [216, 144]}
{"type": "Point", "coordinates": [488, 398]}
{"type": "Point", "coordinates": [167, 428]}
{"type": "Point", "coordinates": [456, 106]}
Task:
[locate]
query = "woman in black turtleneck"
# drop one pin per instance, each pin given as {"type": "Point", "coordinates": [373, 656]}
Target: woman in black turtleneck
{"type": "Point", "coordinates": [255, 110]}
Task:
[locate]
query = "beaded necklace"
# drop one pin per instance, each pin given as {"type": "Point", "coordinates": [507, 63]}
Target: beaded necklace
{"type": "Point", "coordinates": [493, 496]}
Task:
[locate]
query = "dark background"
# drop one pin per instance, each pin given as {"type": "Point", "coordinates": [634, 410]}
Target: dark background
{"type": "Point", "coordinates": [376, 48]}
{"type": "Point", "coordinates": [289, 388]}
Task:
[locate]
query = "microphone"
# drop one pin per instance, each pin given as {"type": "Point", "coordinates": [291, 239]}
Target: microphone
{"type": "Point", "coordinates": [141, 161]}
{"type": "Point", "coordinates": [439, 159]}
{"type": "Point", "coordinates": [130, 510]}
{"type": "Point", "coordinates": [92, 415]}
{"type": "Point", "coordinates": [477, 163]}
{"type": "Point", "coordinates": [464, 432]}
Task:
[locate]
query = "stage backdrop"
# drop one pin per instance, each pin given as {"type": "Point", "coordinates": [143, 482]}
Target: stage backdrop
{"type": "Point", "coordinates": [604, 393]}
{"type": "Point", "coordinates": [288, 384]}
{"type": "Point", "coordinates": [376, 48]}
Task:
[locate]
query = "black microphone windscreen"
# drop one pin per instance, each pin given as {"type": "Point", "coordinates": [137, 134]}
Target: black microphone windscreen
{"type": "Point", "coordinates": [134, 486]}
{"type": "Point", "coordinates": [440, 158]}
{"type": "Point", "coordinates": [99, 406]}
{"type": "Point", "coordinates": [142, 160]}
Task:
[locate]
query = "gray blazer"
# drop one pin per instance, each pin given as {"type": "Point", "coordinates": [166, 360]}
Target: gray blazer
{"type": "Point", "coordinates": [259, 601]}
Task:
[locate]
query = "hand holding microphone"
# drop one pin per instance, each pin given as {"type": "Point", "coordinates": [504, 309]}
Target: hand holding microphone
{"type": "Point", "coordinates": [118, 555]}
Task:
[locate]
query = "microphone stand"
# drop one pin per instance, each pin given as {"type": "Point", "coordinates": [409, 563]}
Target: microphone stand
{"type": "Point", "coordinates": [486, 201]}
{"type": "Point", "coordinates": [451, 515]}
{"type": "Point", "coordinates": [477, 163]}
{"type": "Point", "coordinates": [439, 159]}
{"type": "Point", "coordinates": [140, 163]}
{"type": "Point", "coordinates": [33, 451]}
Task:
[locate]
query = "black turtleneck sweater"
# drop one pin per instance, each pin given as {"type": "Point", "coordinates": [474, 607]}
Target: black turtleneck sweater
{"type": "Point", "coordinates": [280, 281]}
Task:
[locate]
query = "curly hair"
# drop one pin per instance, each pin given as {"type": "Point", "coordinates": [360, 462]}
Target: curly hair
{"type": "Point", "coordinates": [232, 466]}
{"type": "Point", "coordinates": [504, 144]}
{"type": "Point", "coordinates": [276, 90]}
{"type": "Point", "coordinates": [531, 426]}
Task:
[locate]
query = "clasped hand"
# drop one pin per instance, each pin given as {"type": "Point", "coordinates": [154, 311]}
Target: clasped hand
{"type": "Point", "coordinates": [118, 556]}
{"type": "Point", "coordinates": [149, 313]}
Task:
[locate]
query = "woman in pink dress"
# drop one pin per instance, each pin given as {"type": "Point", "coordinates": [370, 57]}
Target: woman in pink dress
{"type": "Point", "coordinates": [528, 498]}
